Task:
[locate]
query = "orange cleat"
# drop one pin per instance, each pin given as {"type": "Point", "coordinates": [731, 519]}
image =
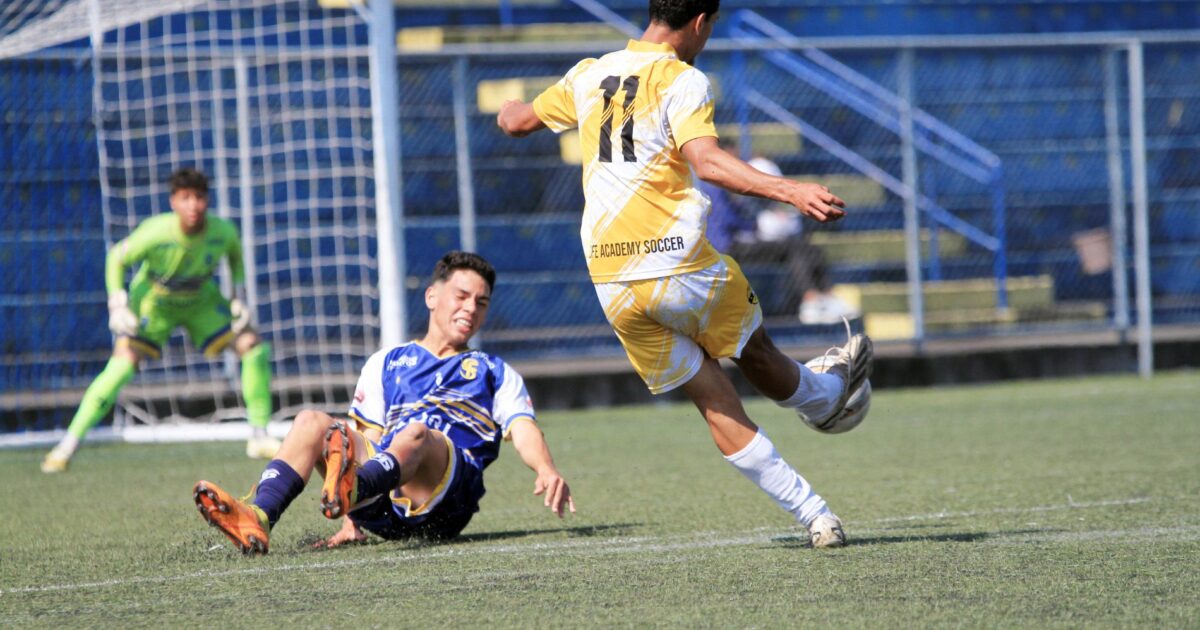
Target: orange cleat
{"type": "Point", "coordinates": [242, 523]}
{"type": "Point", "coordinates": [337, 493]}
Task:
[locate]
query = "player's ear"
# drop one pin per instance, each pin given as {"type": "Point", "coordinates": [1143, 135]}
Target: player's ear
{"type": "Point", "coordinates": [430, 296]}
{"type": "Point", "coordinates": [697, 23]}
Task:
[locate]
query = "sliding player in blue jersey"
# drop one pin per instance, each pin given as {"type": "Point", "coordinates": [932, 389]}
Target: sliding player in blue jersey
{"type": "Point", "coordinates": [427, 418]}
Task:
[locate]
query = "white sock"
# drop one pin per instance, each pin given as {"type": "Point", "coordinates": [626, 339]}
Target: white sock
{"type": "Point", "coordinates": [66, 447]}
{"type": "Point", "coordinates": [761, 464]}
{"type": "Point", "coordinates": [815, 395]}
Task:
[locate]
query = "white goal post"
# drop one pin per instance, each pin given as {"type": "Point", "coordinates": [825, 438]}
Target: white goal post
{"type": "Point", "coordinates": [276, 101]}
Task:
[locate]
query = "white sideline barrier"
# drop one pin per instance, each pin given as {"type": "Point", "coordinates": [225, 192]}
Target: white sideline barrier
{"type": "Point", "coordinates": [146, 434]}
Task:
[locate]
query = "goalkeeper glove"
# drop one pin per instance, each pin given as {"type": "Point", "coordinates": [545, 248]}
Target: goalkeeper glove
{"type": "Point", "coordinates": [121, 320]}
{"type": "Point", "coordinates": [241, 316]}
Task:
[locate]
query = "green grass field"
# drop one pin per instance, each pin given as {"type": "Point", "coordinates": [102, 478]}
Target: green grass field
{"type": "Point", "coordinates": [1063, 503]}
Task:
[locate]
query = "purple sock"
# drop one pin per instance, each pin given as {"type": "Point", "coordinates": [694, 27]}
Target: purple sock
{"type": "Point", "coordinates": [277, 487]}
{"type": "Point", "coordinates": [378, 475]}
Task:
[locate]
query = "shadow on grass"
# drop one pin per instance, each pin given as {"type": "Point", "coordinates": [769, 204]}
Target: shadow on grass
{"type": "Point", "coordinates": [309, 541]}
{"type": "Point", "coordinates": [616, 529]}
{"type": "Point", "coordinates": [967, 537]}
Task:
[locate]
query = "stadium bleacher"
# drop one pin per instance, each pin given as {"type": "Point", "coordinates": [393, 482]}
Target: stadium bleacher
{"type": "Point", "coordinates": [1041, 112]}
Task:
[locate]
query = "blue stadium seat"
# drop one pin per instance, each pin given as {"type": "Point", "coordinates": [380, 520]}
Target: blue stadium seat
{"type": "Point", "coordinates": [538, 300]}
{"type": "Point", "coordinates": [1176, 221]}
{"type": "Point", "coordinates": [1175, 271]}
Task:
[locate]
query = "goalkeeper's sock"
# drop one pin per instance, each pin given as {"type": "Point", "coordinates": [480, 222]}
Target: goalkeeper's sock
{"type": "Point", "coordinates": [256, 384]}
{"type": "Point", "coordinates": [100, 395]}
{"type": "Point", "coordinates": [815, 395]}
{"type": "Point", "coordinates": [762, 464]}
{"type": "Point", "coordinates": [277, 487]}
{"type": "Point", "coordinates": [66, 447]}
{"type": "Point", "coordinates": [376, 476]}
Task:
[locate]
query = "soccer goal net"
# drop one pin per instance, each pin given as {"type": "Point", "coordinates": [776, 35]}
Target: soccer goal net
{"type": "Point", "coordinates": [272, 100]}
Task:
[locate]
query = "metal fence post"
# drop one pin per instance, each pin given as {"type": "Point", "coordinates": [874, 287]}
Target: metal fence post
{"type": "Point", "coordinates": [1141, 210]}
{"type": "Point", "coordinates": [389, 189]}
{"type": "Point", "coordinates": [1116, 193]}
{"type": "Point", "coordinates": [462, 158]}
{"type": "Point", "coordinates": [912, 222]}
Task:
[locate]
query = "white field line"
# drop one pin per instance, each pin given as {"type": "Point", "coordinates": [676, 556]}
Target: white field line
{"type": "Point", "coordinates": [642, 544]}
{"type": "Point", "coordinates": [1011, 510]}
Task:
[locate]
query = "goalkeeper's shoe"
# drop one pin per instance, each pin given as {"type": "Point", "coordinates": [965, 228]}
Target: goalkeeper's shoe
{"type": "Point", "coordinates": [55, 462]}
{"type": "Point", "coordinates": [341, 472]}
{"type": "Point", "coordinates": [245, 525]}
{"type": "Point", "coordinates": [826, 531]}
{"type": "Point", "coordinates": [262, 447]}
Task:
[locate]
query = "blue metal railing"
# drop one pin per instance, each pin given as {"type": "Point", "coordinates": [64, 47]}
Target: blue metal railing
{"type": "Point", "coordinates": [930, 136]}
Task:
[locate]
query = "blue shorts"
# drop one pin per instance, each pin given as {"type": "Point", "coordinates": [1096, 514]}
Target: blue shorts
{"type": "Point", "coordinates": [444, 521]}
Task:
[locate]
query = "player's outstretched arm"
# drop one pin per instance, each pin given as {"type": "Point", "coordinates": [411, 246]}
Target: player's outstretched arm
{"type": "Point", "coordinates": [517, 119]}
{"type": "Point", "coordinates": [531, 445]}
{"type": "Point", "coordinates": [719, 167]}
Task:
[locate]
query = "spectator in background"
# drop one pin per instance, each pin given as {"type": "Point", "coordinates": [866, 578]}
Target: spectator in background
{"type": "Point", "coordinates": [766, 232]}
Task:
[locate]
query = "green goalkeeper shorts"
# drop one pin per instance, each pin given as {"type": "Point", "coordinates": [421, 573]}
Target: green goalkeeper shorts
{"type": "Point", "coordinates": [204, 313]}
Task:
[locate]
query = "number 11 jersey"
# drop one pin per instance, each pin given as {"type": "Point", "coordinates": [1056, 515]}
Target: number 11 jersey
{"type": "Point", "coordinates": [635, 108]}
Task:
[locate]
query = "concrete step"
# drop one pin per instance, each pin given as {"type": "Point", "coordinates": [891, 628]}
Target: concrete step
{"type": "Point", "coordinates": [767, 139]}
{"type": "Point", "coordinates": [889, 326]}
{"type": "Point", "coordinates": [426, 38]}
{"type": "Point", "coordinates": [490, 94]}
{"type": "Point", "coordinates": [976, 293]}
{"type": "Point", "coordinates": [877, 246]}
{"type": "Point", "coordinates": [858, 191]}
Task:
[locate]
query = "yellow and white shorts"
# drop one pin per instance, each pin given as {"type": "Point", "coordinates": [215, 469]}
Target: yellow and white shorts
{"type": "Point", "coordinates": [667, 325]}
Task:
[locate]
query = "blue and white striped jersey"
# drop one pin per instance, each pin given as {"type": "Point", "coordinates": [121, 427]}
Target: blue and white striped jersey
{"type": "Point", "coordinates": [472, 397]}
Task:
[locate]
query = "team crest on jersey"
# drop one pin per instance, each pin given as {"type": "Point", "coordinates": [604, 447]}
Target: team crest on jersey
{"type": "Point", "coordinates": [469, 368]}
{"type": "Point", "coordinates": [751, 297]}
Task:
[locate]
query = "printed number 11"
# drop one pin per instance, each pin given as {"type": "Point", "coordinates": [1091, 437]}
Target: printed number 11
{"type": "Point", "coordinates": [610, 85]}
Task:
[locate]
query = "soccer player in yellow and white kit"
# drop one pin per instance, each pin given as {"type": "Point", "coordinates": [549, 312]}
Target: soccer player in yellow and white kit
{"type": "Point", "coordinates": [645, 121]}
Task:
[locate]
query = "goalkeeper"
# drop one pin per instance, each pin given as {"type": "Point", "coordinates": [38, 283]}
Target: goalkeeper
{"type": "Point", "coordinates": [178, 254]}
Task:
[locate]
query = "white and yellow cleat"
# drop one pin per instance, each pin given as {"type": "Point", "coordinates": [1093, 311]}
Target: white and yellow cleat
{"type": "Point", "coordinates": [262, 447]}
{"type": "Point", "coordinates": [826, 531]}
{"type": "Point", "coordinates": [55, 463]}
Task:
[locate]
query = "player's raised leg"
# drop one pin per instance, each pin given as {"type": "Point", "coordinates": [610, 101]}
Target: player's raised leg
{"type": "Point", "coordinates": [817, 391]}
{"type": "Point", "coordinates": [414, 462]}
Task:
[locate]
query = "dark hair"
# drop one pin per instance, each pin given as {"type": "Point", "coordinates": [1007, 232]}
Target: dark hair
{"type": "Point", "coordinates": [190, 179]}
{"type": "Point", "coordinates": [677, 13]}
{"type": "Point", "coordinates": [454, 261]}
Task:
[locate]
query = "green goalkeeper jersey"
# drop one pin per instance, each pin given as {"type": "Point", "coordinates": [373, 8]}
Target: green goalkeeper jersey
{"type": "Point", "coordinates": [176, 263]}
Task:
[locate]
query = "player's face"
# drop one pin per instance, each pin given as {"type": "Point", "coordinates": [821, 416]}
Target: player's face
{"type": "Point", "coordinates": [190, 206]}
{"type": "Point", "coordinates": [458, 306]}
